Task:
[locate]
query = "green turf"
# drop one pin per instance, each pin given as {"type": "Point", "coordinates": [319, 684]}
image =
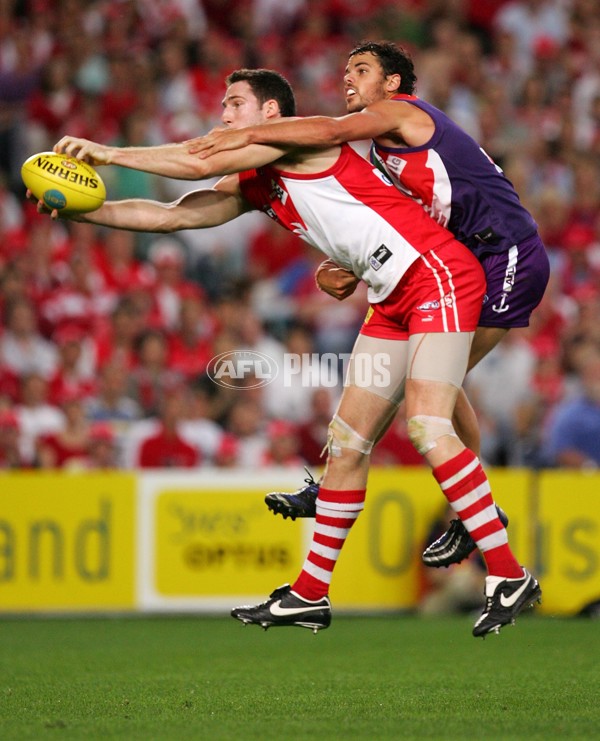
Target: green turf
{"type": "Point", "coordinates": [365, 678]}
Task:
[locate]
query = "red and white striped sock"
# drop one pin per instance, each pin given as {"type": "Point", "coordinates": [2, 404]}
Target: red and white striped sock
{"type": "Point", "coordinates": [337, 511]}
{"type": "Point", "coordinates": [466, 487]}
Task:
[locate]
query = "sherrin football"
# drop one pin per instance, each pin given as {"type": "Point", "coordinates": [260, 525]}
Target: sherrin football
{"type": "Point", "coordinates": [63, 182]}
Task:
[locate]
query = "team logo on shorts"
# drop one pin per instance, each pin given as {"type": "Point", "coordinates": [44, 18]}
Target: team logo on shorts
{"type": "Point", "coordinates": [502, 306]}
{"type": "Point", "coordinates": [429, 306]}
{"type": "Point", "coordinates": [447, 301]}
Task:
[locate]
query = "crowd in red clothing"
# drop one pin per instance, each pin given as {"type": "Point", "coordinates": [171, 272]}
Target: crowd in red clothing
{"type": "Point", "coordinates": [105, 336]}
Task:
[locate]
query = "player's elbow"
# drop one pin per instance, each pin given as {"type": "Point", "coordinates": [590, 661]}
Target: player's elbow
{"type": "Point", "coordinates": [198, 169]}
{"type": "Point", "coordinates": [170, 219]}
{"type": "Point", "coordinates": [177, 216]}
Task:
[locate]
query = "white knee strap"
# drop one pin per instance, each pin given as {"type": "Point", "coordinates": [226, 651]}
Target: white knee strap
{"type": "Point", "coordinates": [424, 431]}
{"type": "Point", "coordinates": [340, 435]}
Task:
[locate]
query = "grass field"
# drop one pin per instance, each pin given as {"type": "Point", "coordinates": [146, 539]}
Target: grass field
{"type": "Point", "coordinates": [365, 678]}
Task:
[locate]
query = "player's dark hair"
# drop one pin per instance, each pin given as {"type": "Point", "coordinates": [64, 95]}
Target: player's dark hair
{"type": "Point", "coordinates": [394, 60]}
{"type": "Point", "coordinates": [267, 84]}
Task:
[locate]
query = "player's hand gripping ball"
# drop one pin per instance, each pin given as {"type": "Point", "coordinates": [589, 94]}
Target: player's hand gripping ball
{"type": "Point", "coordinates": [63, 183]}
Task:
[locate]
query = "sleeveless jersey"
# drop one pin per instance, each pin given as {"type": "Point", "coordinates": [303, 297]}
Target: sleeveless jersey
{"type": "Point", "coordinates": [352, 213]}
{"type": "Point", "coordinates": [459, 185]}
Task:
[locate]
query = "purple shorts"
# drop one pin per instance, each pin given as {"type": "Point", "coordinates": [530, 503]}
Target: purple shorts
{"type": "Point", "coordinates": [516, 281]}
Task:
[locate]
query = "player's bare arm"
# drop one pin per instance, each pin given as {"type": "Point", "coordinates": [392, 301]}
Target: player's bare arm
{"type": "Point", "coordinates": [198, 209]}
{"type": "Point", "coordinates": [390, 122]}
{"type": "Point", "coordinates": [168, 160]}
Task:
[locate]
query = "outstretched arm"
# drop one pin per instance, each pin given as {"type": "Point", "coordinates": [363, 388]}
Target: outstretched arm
{"type": "Point", "coordinates": [313, 131]}
{"type": "Point", "coordinates": [196, 210]}
{"type": "Point", "coordinates": [169, 160]}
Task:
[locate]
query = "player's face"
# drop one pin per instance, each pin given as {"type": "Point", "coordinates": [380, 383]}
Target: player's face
{"type": "Point", "coordinates": [241, 107]}
{"type": "Point", "coordinates": [364, 82]}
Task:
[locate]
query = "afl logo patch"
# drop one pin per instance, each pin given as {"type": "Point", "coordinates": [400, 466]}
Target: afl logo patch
{"type": "Point", "coordinates": [381, 255]}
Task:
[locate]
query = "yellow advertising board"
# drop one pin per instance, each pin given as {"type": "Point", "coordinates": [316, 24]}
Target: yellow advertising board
{"type": "Point", "coordinates": [66, 542]}
{"type": "Point", "coordinates": [172, 541]}
{"type": "Point", "coordinates": [208, 541]}
{"type": "Point", "coordinates": [568, 540]}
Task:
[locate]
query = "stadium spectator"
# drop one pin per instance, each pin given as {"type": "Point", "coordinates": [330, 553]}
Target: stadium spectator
{"type": "Point", "coordinates": [102, 452]}
{"type": "Point", "coordinates": [283, 448]}
{"type": "Point", "coordinates": [177, 86]}
{"type": "Point", "coordinates": [313, 430]}
{"type": "Point", "coordinates": [573, 434]}
{"type": "Point", "coordinates": [75, 368]}
{"type": "Point", "coordinates": [169, 285]}
{"type": "Point", "coordinates": [36, 416]}
{"type": "Point", "coordinates": [110, 402]}
{"type": "Point", "coordinates": [120, 97]}
{"type": "Point", "coordinates": [245, 424]}
{"type": "Point", "coordinates": [151, 378]}
{"type": "Point", "coordinates": [227, 454]}
{"type": "Point", "coordinates": [579, 273]}
{"type": "Point", "coordinates": [23, 350]}
{"type": "Point", "coordinates": [159, 18]}
{"type": "Point", "coordinates": [118, 264]}
{"type": "Point", "coordinates": [87, 118]}
{"type": "Point", "coordinates": [69, 445]}
{"type": "Point", "coordinates": [548, 388]}
{"type": "Point", "coordinates": [198, 427]}
{"type": "Point", "coordinates": [528, 22]}
{"type": "Point", "coordinates": [12, 219]}
{"type": "Point", "coordinates": [498, 385]}
{"type": "Point", "coordinates": [301, 370]}
{"type": "Point", "coordinates": [252, 336]}
{"type": "Point", "coordinates": [42, 261]}
{"type": "Point", "coordinates": [55, 100]}
{"type": "Point", "coordinates": [13, 285]}
{"type": "Point", "coordinates": [191, 342]}
{"type": "Point", "coordinates": [10, 450]}
{"type": "Point", "coordinates": [582, 334]}
{"type": "Point", "coordinates": [19, 78]}
{"type": "Point", "coordinates": [83, 297]}
{"type": "Point", "coordinates": [117, 334]}
{"type": "Point", "coordinates": [165, 447]}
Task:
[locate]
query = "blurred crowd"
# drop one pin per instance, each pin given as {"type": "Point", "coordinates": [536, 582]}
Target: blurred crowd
{"type": "Point", "coordinates": [105, 336]}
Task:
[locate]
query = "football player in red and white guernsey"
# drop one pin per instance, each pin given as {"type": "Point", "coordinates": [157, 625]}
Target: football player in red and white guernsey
{"type": "Point", "coordinates": [434, 161]}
